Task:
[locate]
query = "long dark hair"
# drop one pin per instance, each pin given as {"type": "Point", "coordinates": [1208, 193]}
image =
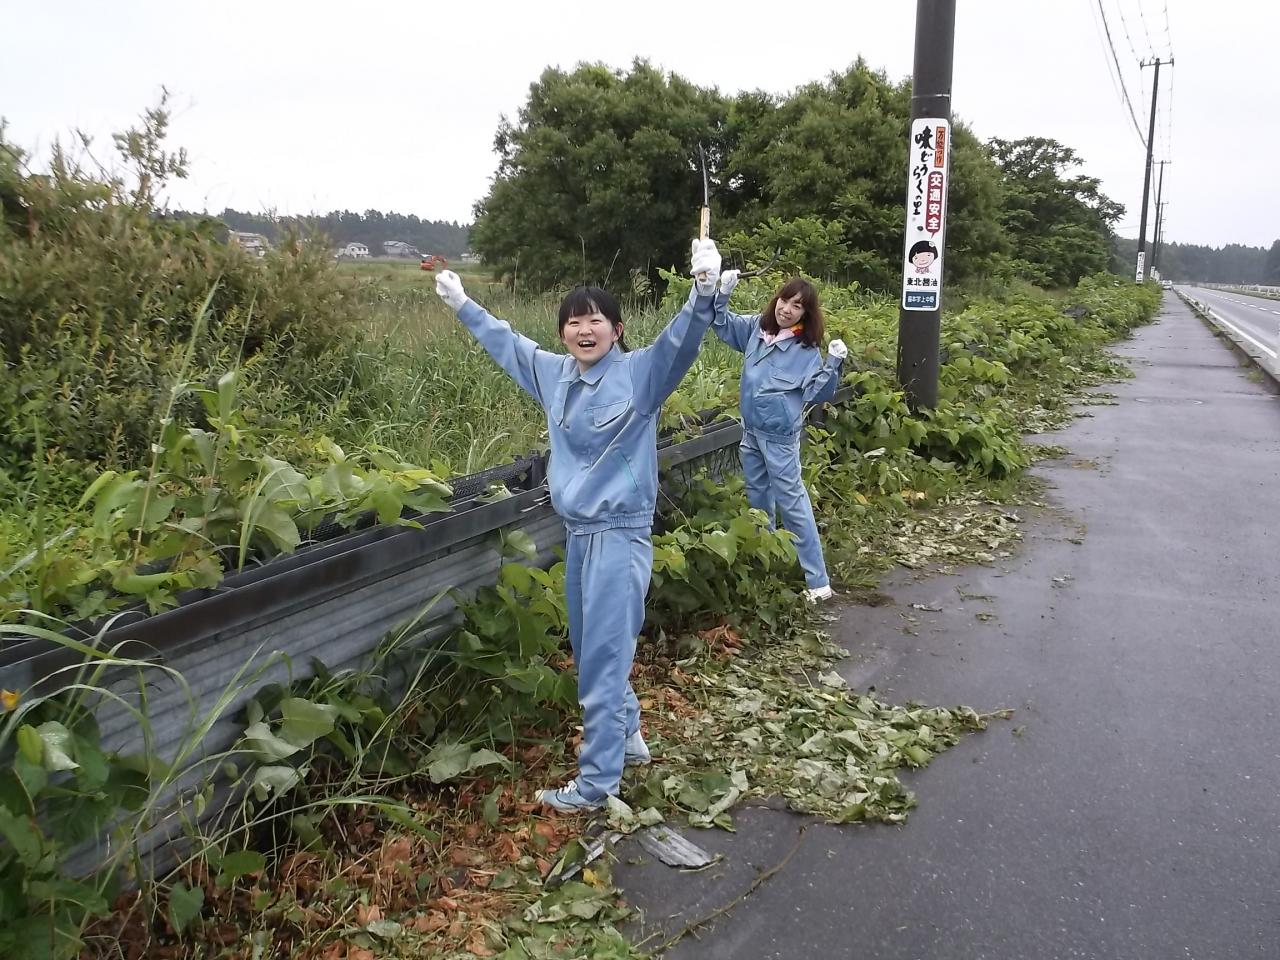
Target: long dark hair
{"type": "Point", "coordinates": [584, 301]}
{"type": "Point", "coordinates": [811, 333]}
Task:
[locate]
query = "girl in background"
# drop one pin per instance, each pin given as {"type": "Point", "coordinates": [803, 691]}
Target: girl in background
{"type": "Point", "coordinates": [782, 371]}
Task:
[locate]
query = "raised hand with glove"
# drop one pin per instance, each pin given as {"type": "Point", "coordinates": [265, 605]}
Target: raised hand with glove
{"type": "Point", "coordinates": [838, 350]}
{"type": "Point", "coordinates": [705, 264]}
{"type": "Point", "coordinates": [728, 280]}
{"type": "Point", "coordinates": [449, 289]}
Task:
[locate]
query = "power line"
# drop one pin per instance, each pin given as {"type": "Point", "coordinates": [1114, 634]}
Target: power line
{"type": "Point", "coordinates": [1143, 17]}
{"type": "Point", "coordinates": [1123, 89]}
{"type": "Point", "coordinates": [1125, 24]}
{"type": "Point", "coordinates": [1168, 37]}
{"type": "Point", "coordinates": [1111, 72]}
{"type": "Point", "coordinates": [1168, 120]}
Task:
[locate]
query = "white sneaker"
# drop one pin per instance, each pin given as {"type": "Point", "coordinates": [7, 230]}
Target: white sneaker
{"type": "Point", "coordinates": [568, 799]}
{"type": "Point", "coordinates": [636, 753]}
{"type": "Point", "coordinates": [819, 593]}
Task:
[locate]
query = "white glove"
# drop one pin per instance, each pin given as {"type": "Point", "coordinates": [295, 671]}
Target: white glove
{"type": "Point", "coordinates": [706, 267]}
{"type": "Point", "coordinates": [449, 289]}
{"type": "Point", "coordinates": [728, 280]}
{"type": "Point", "coordinates": [838, 350]}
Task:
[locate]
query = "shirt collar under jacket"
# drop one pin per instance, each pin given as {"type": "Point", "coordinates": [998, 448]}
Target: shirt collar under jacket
{"type": "Point", "coordinates": [594, 372]}
{"type": "Point", "coordinates": [782, 339]}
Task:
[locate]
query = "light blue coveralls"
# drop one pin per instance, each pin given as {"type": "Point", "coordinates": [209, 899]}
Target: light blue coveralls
{"type": "Point", "coordinates": [777, 381]}
{"type": "Point", "coordinates": [603, 477]}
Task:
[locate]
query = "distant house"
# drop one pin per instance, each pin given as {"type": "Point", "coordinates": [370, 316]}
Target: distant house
{"type": "Point", "coordinates": [398, 248]}
{"type": "Point", "coordinates": [255, 243]}
{"type": "Point", "coordinates": [355, 251]}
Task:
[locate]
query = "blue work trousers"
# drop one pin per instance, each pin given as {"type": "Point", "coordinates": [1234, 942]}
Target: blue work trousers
{"type": "Point", "coordinates": [606, 578]}
{"type": "Point", "coordinates": [774, 485]}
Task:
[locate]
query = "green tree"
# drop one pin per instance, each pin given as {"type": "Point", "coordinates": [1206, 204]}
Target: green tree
{"type": "Point", "coordinates": [598, 177]}
{"type": "Point", "coordinates": [1271, 272]}
{"type": "Point", "coordinates": [1059, 225]}
{"type": "Point", "coordinates": [834, 154]}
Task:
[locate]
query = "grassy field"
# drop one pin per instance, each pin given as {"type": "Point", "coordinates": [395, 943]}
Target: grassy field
{"type": "Point", "coordinates": [442, 400]}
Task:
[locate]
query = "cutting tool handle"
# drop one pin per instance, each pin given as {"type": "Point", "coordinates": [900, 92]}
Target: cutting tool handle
{"type": "Point", "coordinates": [704, 231]}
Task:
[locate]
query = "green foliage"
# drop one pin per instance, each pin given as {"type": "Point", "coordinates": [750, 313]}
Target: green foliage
{"type": "Point", "coordinates": [101, 290]}
{"type": "Point", "coordinates": [598, 178]}
{"type": "Point", "coordinates": [1059, 226]}
{"type": "Point", "coordinates": [58, 790]}
{"type": "Point", "coordinates": [212, 500]}
{"type": "Point", "coordinates": [505, 660]}
{"type": "Point", "coordinates": [65, 796]}
{"type": "Point", "coordinates": [835, 154]}
{"type": "Point", "coordinates": [780, 722]}
{"type": "Point", "coordinates": [719, 559]}
{"type": "Point", "coordinates": [804, 245]}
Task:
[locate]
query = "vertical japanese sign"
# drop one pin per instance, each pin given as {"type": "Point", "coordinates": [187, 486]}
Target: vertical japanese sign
{"type": "Point", "coordinates": [928, 166]}
{"type": "Point", "coordinates": [1140, 270]}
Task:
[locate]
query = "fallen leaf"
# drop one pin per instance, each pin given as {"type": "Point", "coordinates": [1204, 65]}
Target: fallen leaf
{"type": "Point", "coordinates": [477, 946]}
{"type": "Point", "coordinates": [465, 857]}
{"type": "Point", "coordinates": [429, 922]}
{"type": "Point", "coordinates": [394, 851]}
{"type": "Point", "coordinates": [504, 848]}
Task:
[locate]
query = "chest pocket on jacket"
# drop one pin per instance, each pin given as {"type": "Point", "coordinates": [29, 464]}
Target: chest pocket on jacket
{"type": "Point", "coordinates": [607, 413]}
{"type": "Point", "coordinates": [779, 381]}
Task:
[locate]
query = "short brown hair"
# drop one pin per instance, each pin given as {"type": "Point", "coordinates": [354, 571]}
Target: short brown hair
{"type": "Point", "coordinates": [812, 332]}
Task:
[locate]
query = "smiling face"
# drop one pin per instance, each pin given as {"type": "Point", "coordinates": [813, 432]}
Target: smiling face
{"type": "Point", "coordinates": [789, 312]}
{"type": "Point", "coordinates": [588, 337]}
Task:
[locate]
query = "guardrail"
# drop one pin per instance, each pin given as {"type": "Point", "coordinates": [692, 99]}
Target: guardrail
{"type": "Point", "coordinates": [334, 600]}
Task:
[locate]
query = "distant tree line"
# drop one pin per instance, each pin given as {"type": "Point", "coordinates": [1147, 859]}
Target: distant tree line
{"type": "Point", "coordinates": [1197, 263]}
{"type": "Point", "coordinates": [372, 228]}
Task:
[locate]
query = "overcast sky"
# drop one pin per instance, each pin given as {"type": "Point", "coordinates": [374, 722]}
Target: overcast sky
{"type": "Point", "coordinates": [309, 107]}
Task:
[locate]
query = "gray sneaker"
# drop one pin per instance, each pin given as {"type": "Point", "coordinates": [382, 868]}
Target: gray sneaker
{"type": "Point", "coordinates": [568, 799]}
{"type": "Point", "coordinates": [636, 752]}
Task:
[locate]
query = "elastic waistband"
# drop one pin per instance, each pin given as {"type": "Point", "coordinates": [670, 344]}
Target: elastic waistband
{"type": "Point", "coordinates": [634, 521]}
{"type": "Point", "coordinates": [775, 437]}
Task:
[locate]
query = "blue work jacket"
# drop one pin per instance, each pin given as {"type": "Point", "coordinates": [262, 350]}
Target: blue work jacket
{"type": "Point", "coordinates": [602, 421]}
{"type": "Point", "coordinates": [778, 379]}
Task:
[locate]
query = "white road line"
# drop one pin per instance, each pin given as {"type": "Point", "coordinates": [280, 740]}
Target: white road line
{"type": "Point", "coordinates": [1257, 343]}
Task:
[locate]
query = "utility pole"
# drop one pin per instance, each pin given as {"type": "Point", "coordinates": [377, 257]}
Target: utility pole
{"type": "Point", "coordinates": [1155, 252]}
{"type": "Point", "coordinates": [928, 179]}
{"type": "Point", "coordinates": [1155, 249]}
{"type": "Point", "coordinates": [1140, 272]}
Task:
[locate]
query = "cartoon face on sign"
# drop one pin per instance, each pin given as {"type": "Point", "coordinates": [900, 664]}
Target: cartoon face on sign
{"type": "Point", "coordinates": [923, 255]}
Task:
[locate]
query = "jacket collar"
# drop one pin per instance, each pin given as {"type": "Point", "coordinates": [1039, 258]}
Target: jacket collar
{"type": "Point", "coordinates": [594, 372]}
{"type": "Point", "coordinates": [764, 347]}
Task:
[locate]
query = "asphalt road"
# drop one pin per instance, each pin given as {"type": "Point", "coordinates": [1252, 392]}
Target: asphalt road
{"type": "Point", "coordinates": [1131, 807]}
{"type": "Point", "coordinates": [1256, 318]}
